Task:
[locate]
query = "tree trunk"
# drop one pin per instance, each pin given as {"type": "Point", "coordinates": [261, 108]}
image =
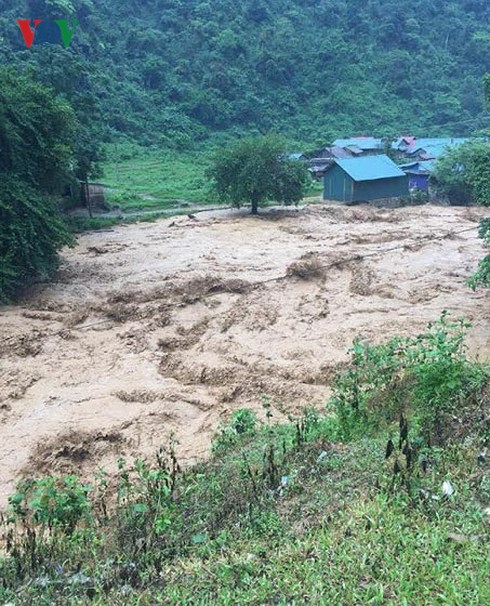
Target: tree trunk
{"type": "Point", "coordinates": [255, 206]}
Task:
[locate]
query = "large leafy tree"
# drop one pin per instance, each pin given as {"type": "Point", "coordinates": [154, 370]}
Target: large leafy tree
{"type": "Point", "coordinates": [256, 170]}
{"type": "Point", "coordinates": [36, 133]}
{"type": "Point", "coordinates": [463, 173]}
{"type": "Point", "coordinates": [71, 78]}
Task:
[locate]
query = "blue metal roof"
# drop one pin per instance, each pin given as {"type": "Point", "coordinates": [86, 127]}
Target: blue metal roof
{"type": "Point", "coordinates": [436, 146]}
{"type": "Point", "coordinates": [428, 165]}
{"type": "Point", "coordinates": [418, 168]}
{"type": "Point", "coordinates": [370, 168]}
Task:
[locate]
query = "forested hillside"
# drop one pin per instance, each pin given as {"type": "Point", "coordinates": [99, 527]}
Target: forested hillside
{"type": "Point", "coordinates": [172, 71]}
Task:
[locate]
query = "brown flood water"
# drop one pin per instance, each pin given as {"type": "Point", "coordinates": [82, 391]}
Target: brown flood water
{"type": "Point", "coordinates": [154, 329]}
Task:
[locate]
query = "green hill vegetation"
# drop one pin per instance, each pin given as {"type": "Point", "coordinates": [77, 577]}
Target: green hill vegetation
{"type": "Point", "coordinates": [173, 72]}
{"type": "Point", "coordinates": [35, 163]}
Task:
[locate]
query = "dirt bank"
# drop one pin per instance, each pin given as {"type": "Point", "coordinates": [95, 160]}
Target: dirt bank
{"type": "Point", "coordinates": [164, 328]}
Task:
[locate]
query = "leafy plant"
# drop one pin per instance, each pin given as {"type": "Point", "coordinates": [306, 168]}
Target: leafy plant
{"type": "Point", "coordinates": [463, 173]}
{"type": "Point", "coordinates": [144, 500]}
{"type": "Point", "coordinates": [36, 129]}
{"type": "Point", "coordinates": [31, 233]}
{"type": "Point", "coordinates": [44, 515]}
{"type": "Point", "coordinates": [242, 424]}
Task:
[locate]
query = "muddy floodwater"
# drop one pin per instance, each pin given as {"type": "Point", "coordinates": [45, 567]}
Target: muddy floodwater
{"type": "Point", "coordinates": [165, 328]}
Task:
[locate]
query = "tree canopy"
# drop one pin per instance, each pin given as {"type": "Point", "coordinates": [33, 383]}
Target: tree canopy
{"type": "Point", "coordinates": [463, 174]}
{"type": "Point", "coordinates": [36, 133]}
{"type": "Point", "coordinates": [256, 170]}
{"type": "Point", "coordinates": [36, 160]}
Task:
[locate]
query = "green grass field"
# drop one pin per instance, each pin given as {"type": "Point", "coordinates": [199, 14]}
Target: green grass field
{"type": "Point", "coordinates": [145, 178]}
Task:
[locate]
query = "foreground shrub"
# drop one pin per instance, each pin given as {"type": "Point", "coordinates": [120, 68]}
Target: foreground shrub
{"type": "Point", "coordinates": [427, 378]}
{"type": "Point", "coordinates": [482, 275]}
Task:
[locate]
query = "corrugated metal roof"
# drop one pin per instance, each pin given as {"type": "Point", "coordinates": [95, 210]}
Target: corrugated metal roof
{"type": "Point", "coordinates": [435, 146]}
{"type": "Point", "coordinates": [363, 143]}
{"type": "Point", "coordinates": [370, 168]}
{"type": "Point", "coordinates": [340, 152]}
{"type": "Point", "coordinates": [335, 152]}
{"type": "Point", "coordinates": [405, 141]}
{"type": "Point", "coordinates": [355, 149]}
{"type": "Point", "coordinates": [428, 165]}
{"type": "Point", "coordinates": [418, 168]}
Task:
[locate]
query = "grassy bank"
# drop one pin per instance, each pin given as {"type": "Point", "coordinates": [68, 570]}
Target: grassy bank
{"type": "Point", "coordinates": [382, 499]}
{"type": "Point", "coordinates": [150, 178]}
{"type": "Point", "coordinates": [80, 224]}
{"type": "Point", "coordinates": [140, 178]}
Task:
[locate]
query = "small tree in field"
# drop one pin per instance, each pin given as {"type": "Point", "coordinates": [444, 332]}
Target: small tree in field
{"type": "Point", "coordinates": [255, 170]}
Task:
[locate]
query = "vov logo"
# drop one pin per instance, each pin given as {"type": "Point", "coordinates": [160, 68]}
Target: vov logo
{"type": "Point", "coordinates": [50, 31]}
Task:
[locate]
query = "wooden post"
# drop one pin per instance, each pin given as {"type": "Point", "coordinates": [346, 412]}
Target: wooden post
{"type": "Point", "coordinates": [88, 199]}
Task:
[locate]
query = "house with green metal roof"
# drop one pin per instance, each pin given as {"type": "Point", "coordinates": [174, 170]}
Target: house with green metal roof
{"type": "Point", "coordinates": [364, 179]}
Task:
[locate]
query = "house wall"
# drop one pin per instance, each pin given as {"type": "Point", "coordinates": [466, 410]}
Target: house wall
{"type": "Point", "coordinates": [96, 193]}
{"type": "Point", "coordinates": [419, 182]}
{"type": "Point", "coordinates": [373, 152]}
{"type": "Point", "coordinates": [382, 188]}
{"type": "Point", "coordinates": [338, 185]}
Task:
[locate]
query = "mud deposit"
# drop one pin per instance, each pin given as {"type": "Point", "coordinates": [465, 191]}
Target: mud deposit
{"type": "Point", "coordinates": [164, 328]}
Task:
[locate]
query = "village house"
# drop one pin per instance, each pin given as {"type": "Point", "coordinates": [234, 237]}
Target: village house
{"type": "Point", "coordinates": [431, 149]}
{"type": "Point", "coordinates": [418, 174]}
{"type": "Point", "coordinates": [402, 144]}
{"type": "Point", "coordinates": [364, 179]}
{"type": "Point", "coordinates": [319, 164]}
{"type": "Point", "coordinates": [361, 146]}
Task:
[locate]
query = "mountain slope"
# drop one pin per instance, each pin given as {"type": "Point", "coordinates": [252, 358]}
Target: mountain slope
{"type": "Point", "coordinates": [174, 70]}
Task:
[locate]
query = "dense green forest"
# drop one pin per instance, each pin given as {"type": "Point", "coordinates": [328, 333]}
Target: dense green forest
{"type": "Point", "coordinates": [172, 72]}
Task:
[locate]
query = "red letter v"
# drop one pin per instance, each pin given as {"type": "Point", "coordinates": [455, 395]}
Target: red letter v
{"type": "Point", "coordinates": [25, 28]}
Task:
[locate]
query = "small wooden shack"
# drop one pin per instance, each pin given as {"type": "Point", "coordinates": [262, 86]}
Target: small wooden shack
{"type": "Point", "coordinates": [92, 195]}
{"type": "Point", "coordinates": [364, 179]}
